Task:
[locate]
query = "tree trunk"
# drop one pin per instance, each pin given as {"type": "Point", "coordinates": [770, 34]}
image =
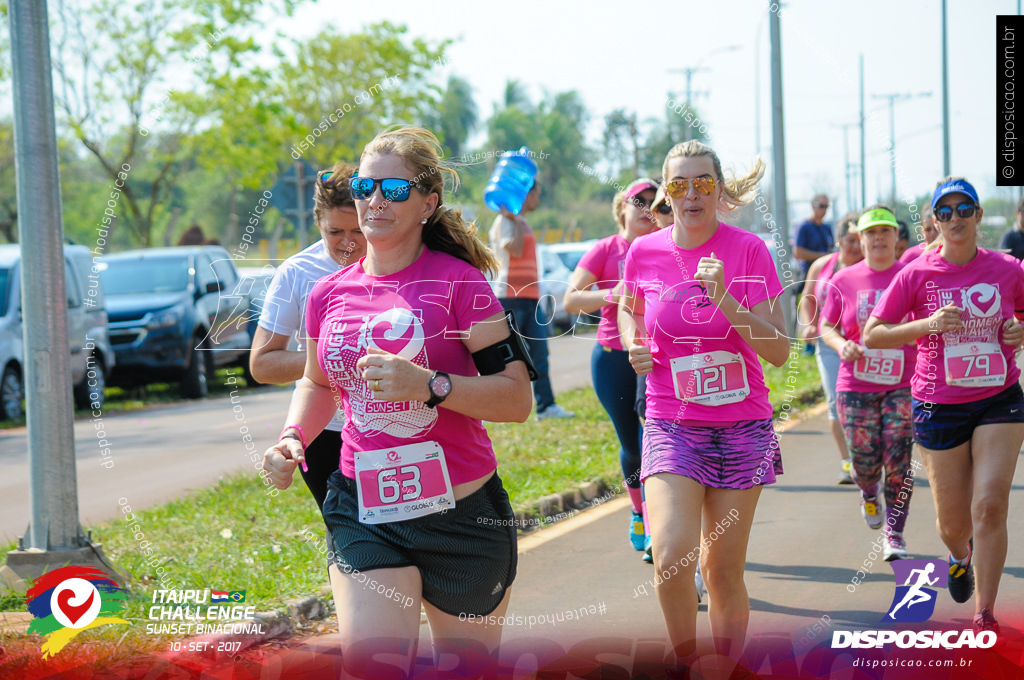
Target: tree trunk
{"type": "Point", "coordinates": [230, 235]}
{"type": "Point", "coordinates": [169, 231]}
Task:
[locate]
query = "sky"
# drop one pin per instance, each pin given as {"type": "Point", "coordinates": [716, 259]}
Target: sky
{"type": "Point", "coordinates": [618, 55]}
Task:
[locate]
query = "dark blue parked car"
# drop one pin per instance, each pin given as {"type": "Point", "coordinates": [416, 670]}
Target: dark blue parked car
{"type": "Point", "coordinates": [176, 314]}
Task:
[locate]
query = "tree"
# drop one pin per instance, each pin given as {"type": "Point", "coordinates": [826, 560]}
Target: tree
{"type": "Point", "coordinates": [112, 62]}
{"type": "Point", "coordinates": [8, 197]}
{"type": "Point", "coordinates": [344, 89]}
{"type": "Point", "coordinates": [516, 96]}
{"type": "Point", "coordinates": [458, 115]}
{"type": "Point", "coordinates": [554, 131]}
{"type": "Point", "coordinates": [622, 140]}
{"type": "Point", "coordinates": [677, 127]}
{"type": "Point", "coordinates": [563, 119]}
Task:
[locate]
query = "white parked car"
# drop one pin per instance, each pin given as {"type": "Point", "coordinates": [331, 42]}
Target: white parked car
{"type": "Point", "coordinates": [560, 262]}
{"type": "Point", "coordinates": [555, 264]}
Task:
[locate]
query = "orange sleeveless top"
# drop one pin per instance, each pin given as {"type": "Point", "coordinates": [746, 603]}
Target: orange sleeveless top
{"type": "Point", "coordinates": [522, 271]}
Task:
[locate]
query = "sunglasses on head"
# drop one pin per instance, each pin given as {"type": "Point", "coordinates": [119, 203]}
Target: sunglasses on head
{"type": "Point", "coordinates": [326, 177]}
{"type": "Point", "coordinates": [394, 189]}
{"type": "Point", "coordinates": [944, 213]}
{"type": "Point", "coordinates": [678, 188]}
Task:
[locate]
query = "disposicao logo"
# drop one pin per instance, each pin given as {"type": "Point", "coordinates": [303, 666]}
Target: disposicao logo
{"type": "Point", "coordinates": [914, 602]}
{"type": "Point", "coordinates": [68, 600]}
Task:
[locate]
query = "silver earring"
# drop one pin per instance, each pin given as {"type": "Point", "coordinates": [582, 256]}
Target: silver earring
{"type": "Point", "coordinates": [423, 221]}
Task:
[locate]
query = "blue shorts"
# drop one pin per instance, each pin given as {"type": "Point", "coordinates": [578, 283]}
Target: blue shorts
{"type": "Point", "coordinates": [828, 367]}
{"type": "Point", "coordinates": [945, 426]}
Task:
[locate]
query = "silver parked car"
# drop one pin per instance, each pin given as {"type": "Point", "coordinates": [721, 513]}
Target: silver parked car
{"type": "Point", "coordinates": [92, 357]}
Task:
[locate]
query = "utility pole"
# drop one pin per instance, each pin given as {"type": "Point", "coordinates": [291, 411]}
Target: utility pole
{"type": "Point", "coordinates": [863, 165]}
{"type": "Point", "coordinates": [779, 160]}
{"type": "Point", "coordinates": [892, 132]}
{"type": "Point", "coordinates": [850, 172]}
{"type": "Point", "coordinates": [54, 537]}
{"type": "Point", "coordinates": [945, 97]}
{"type": "Point", "coordinates": [697, 68]}
{"type": "Point", "coordinates": [757, 86]}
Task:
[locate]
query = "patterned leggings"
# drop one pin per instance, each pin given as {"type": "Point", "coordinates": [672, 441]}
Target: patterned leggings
{"type": "Point", "coordinates": [879, 430]}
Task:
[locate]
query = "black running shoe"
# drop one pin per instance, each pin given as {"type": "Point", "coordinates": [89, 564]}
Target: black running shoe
{"type": "Point", "coordinates": [961, 577]}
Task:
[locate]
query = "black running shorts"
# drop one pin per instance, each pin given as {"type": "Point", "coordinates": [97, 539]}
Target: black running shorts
{"type": "Point", "coordinates": [466, 556]}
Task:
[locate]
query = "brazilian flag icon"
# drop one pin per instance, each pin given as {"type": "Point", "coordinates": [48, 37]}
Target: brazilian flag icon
{"type": "Point", "coordinates": [237, 596]}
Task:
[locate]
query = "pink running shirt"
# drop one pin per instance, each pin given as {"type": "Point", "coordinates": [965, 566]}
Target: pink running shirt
{"type": "Point", "coordinates": [607, 261]}
{"type": "Point", "coordinates": [686, 326]}
{"type": "Point", "coordinates": [989, 290]}
{"type": "Point", "coordinates": [853, 293]}
{"type": "Point", "coordinates": [417, 313]}
{"type": "Point", "coordinates": [821, 283]}
{"type": "Point", "coordinates": [913, 252]}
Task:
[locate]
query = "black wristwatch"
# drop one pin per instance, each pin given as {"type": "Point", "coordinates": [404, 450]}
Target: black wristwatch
{"type": "Point", "coordinates": [440, 385]}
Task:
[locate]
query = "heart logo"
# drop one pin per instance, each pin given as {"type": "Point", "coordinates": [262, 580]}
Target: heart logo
{"type": "Point", "coordinates": [982, 299]}
{"type": "Point", "coordinates": [75, 603]}
{"type": "Point", "coordinates": [397, 331]}
{"type": "Point", "coordinates": [73, 612]}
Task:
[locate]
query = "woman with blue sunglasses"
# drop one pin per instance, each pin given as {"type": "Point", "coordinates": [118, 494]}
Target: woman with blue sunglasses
{"type": "Point", "coordinates": [967, 403]}
{"type": "Point", "coordinates": [415, 346]}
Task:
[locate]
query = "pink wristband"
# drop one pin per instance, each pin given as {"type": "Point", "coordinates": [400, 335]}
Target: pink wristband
{"type": "Point", "coordinates": [302, 435]}
{"type": "Point", "coordinates": [302, 440]}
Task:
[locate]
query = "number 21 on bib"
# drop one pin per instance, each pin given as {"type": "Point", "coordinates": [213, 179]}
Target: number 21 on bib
{"type": "Point", "coordinates": [710, 378]}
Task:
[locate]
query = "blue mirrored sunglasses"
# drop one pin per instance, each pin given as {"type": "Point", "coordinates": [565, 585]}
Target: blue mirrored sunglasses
{"type": "Point", "coordinates": [944, 213]}
{"type": "Point", "coordinates": [394, 189]}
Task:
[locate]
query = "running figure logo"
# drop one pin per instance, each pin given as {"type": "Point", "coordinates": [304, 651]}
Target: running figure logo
{"type": "Point", "coordinates": [914, 601]}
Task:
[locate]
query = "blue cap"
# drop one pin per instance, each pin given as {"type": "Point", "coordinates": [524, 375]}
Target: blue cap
{"type": "Point", "coordinates": [956, 186]}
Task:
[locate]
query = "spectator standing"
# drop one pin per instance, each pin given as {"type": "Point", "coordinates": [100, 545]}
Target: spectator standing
{"type": "Point", "coordinates": [518, 291]}
{"type": "Point", "coordinates": [814, 236]}
{"type": "Point", "coordinates": [1013, 240]}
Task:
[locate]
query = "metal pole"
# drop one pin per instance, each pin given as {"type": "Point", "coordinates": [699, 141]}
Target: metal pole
{"type": "Point", "coordinates": [300, 206]}
{"type": "Point", "coordinates": [779, 157]}
{"type": "Point", "coordinates": [892, 148]}
{"type": "Point", "coordinates": [53, 496]}
{"type": "Point", "coordinates": [846, 159]}
{"type": "Point", "coordinates": [757, 92]}
{"type": "Point", "coordinates": [945, 99]}
{"type": "Point", "coordinates": [863, 166]}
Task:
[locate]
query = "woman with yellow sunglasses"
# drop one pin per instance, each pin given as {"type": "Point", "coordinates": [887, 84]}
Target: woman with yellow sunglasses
{"type": "Point", "coordinates": [698, 310]}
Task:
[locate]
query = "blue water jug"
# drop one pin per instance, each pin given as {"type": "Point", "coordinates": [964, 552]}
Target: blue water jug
{"type": "Point", "coordinates": [512, 179]}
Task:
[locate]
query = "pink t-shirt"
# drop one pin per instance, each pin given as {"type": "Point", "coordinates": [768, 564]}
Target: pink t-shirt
{"type": "Point", "coordinates": [989, 289]}
{"type": "Point", "coordinates": [418, 313]}
{"type": "Point", "coordinates": [853, 293]}
{"type": "Point", "coordinates": [820, 287]}
{"type": "Point", "coordinates": [913, 252]}
{"type": "Point", "coordinates": [607, 261]}
{"type": "Point", "coordinates": [697, 353]}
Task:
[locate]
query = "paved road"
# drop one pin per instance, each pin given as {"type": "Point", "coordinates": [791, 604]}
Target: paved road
{"type": "Point", "coordinates": [160, 453]}
{"type": "Point", "coordinates": [807, 543]}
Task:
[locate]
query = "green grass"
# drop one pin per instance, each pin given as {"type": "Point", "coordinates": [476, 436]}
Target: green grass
{"type": "Point", "coordinates": [799, 375]}
{"type": "Point", "coordinates": [234, 537]}
{"type": "Point", "coordinates": [540, 458]}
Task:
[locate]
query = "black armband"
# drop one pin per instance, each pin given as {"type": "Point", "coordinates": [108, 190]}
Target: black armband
{"type": "Point", "coordinates": [493, 359]}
